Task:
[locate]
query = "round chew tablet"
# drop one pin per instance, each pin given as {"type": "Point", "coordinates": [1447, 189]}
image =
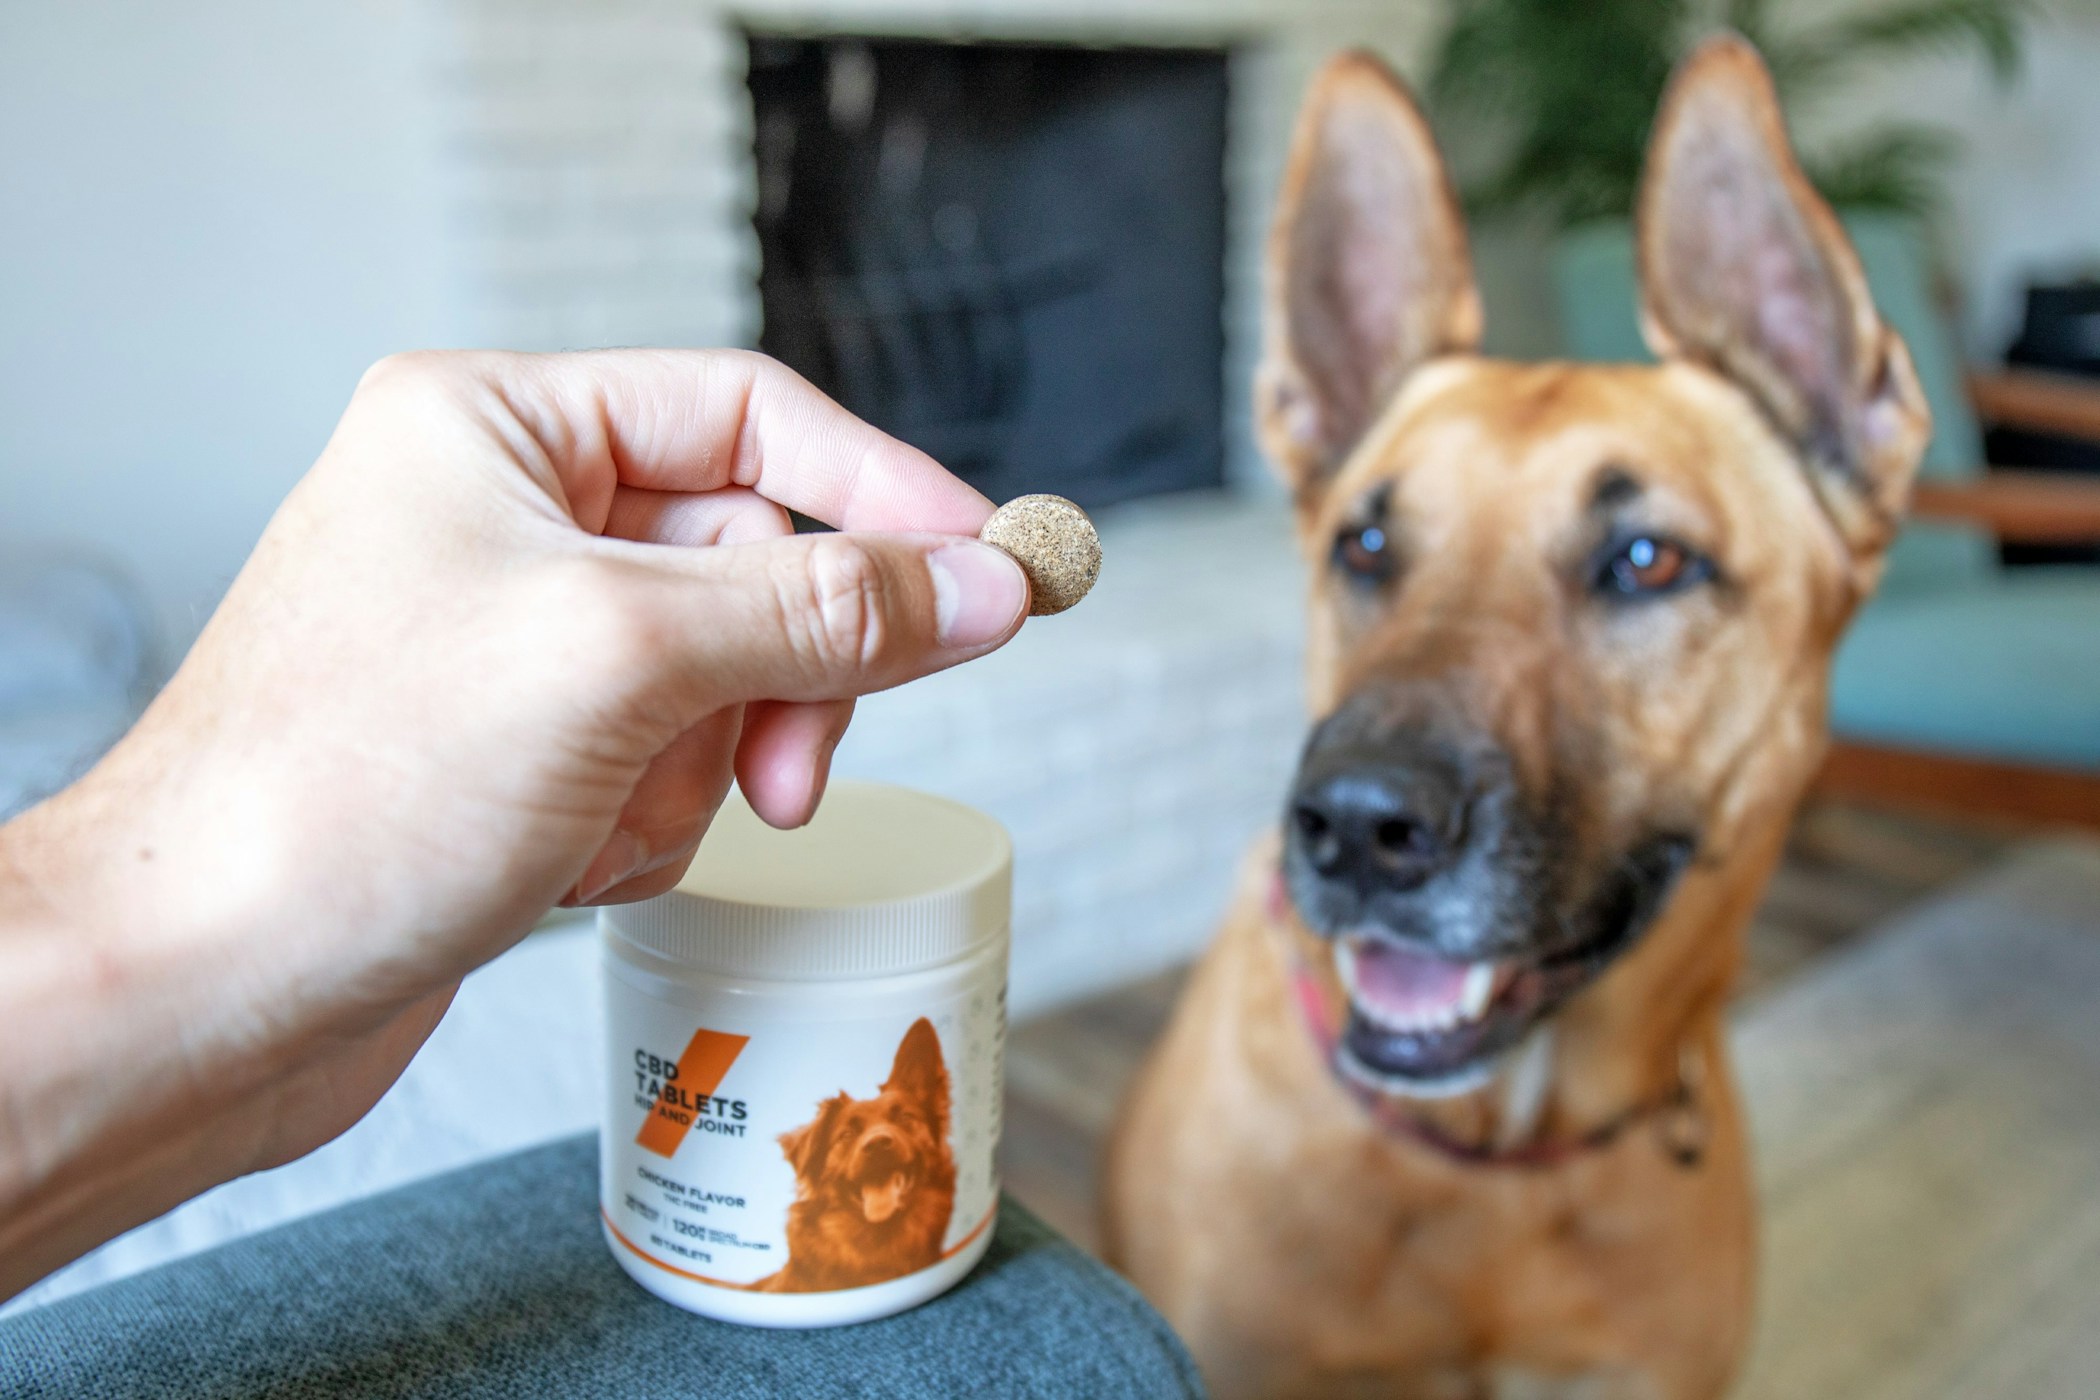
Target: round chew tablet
{"type": "Point", "coordinates": [1055, 545]}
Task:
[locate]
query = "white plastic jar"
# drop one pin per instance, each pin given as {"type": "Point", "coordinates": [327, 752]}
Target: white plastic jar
{"type": "Point", "coordinates": [804, 1062]}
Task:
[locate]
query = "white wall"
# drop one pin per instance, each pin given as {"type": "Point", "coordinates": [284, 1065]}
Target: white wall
{"type": "Point", "coordinates": [213, 216]}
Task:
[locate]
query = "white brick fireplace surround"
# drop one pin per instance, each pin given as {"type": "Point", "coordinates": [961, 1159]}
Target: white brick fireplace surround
{"type": "Point", "coordinates": [602, 170]}
{"type": "Point", "coordinates": [600, 150]}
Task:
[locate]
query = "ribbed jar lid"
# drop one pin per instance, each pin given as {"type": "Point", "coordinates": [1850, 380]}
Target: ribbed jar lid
{"type": "Point", "coordinates": [883, 880]}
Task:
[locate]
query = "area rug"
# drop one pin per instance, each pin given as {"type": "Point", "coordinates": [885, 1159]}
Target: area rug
{"type": "Point", "coordinates": [1926, 1108]}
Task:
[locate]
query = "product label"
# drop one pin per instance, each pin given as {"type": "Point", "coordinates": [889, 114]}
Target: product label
{"type": "Point", "coordinates": [799, 1155]}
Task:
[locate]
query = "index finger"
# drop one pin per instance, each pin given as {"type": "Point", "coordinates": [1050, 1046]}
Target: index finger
{"type": "Point", "coordinates": [700, 420]}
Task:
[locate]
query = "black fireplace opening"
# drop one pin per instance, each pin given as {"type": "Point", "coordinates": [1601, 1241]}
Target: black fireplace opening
{"type": "Point", "coordinates": [1009, 255]}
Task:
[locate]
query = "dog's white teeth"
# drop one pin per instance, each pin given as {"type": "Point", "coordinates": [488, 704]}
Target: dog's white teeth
{"type": "Point", "coordinates": [1457, 1002]}
{"type": "Point", "coordinates": [1479, 990]}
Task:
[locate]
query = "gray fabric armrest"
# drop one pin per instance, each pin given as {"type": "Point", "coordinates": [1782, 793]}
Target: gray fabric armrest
{"type": "Point", "coordinates": [494, 1281]}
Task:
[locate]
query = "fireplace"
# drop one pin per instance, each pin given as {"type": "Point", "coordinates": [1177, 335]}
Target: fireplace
{"type": "Point", "coordinates": [1009, 255]}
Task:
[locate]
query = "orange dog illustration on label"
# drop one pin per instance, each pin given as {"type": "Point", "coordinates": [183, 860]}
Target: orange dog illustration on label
{"type": "Point", "coordinates": [874, 1179]}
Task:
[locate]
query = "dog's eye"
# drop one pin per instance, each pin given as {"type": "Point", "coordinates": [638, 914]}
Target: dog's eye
{"type": "Point", "coordinates": [1365, 553]}
{"type": "Point", "coordinates": [1648, 565]}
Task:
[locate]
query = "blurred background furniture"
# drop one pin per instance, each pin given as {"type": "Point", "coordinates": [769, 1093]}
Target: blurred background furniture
{"type": "Point", "coordinates": [2048, 418]}
{"type": "Point", "coordinates": [1964, 684]}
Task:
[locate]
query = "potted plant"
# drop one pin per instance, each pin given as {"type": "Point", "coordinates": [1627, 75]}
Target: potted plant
{"type": "Point", "coordinates": [1564, 93]}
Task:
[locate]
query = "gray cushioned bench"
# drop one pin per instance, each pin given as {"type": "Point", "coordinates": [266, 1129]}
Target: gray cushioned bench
{"type": "Point", "coordinates": [494, 1281]}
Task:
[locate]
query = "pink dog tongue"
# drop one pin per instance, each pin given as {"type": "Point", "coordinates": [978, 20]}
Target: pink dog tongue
{"type": "Point", "coordinates": [881, 1200]}
{"type": "Point", "coordinates": [1398, 982]}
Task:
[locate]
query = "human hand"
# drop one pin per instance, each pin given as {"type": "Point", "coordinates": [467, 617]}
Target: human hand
{"type": "Point", "coordinates": [503, 646]}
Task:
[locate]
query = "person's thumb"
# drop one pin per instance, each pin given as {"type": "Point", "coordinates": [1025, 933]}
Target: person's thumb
{"type": "Point", "coordinates": [827, 616]}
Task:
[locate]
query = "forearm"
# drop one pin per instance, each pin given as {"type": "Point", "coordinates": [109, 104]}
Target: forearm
{"type": "Point", "coordinates": [109, 1113]}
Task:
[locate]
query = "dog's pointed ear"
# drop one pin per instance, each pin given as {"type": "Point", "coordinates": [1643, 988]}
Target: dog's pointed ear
{"type": "Point", "coordinates": [1744, 269]}
{"type": "Point", "coordinates": [919, 1073]}
{"type": "Point", "coordinates": [1368, 273]}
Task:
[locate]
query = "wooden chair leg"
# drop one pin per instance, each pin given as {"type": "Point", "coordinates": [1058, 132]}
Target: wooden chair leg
{"type": "Point", "coordinates": [1962, 786]}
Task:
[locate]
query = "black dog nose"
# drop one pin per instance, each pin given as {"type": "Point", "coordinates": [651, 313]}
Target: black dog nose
{"type": "Point", "coordinates": [1372, 829]}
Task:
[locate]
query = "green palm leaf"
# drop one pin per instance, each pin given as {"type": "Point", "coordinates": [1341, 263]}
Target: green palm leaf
{"type": "Point", "coordinates": [1894, 167]}
{"type": "Point", "coordinates": [1556, 97]}
{"type": "Point", "coordinates": [1990, 27]}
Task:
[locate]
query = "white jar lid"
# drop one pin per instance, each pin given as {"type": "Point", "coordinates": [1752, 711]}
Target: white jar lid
{"type": "Point", "coordinates": [883, 880]}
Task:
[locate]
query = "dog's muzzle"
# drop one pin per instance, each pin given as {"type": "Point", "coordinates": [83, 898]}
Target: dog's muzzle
{"type": "Point", "coordinates": [1458, 917]}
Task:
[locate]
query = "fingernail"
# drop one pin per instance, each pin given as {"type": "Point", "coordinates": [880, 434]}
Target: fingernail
{"type": "Point", "coordinates": [622, 859]}
{"type": "Point", "coordinates": [978, 593]}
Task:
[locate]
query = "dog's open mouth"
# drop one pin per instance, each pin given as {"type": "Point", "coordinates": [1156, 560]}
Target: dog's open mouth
{"type": "Point", "coordinates": [884, 1197]}
{"type": "Point", "coordinates": [883, 1177]}
{"type": "Point", "coordinates": [1420, 1023]}
{"type": "Point", "coordinates": [1423, 1024]}
{"type": "Point", "coordinates": [1416, 1018]}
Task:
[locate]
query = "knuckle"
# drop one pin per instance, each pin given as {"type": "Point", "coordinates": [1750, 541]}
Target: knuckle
{"type": "Point", "coordinates": [409, 379]}
{"type": "Point", "coordinates": [834, 605]}
{"type": "Point", "coordinates": [396, 370]}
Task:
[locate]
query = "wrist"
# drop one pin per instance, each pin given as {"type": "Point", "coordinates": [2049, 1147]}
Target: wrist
{"type": "Point", "coordinates": [115, 1093]}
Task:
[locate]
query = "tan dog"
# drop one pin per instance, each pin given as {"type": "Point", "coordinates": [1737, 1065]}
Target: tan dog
{"type": "Point", "coordinates": [874, 1179]}
{"type": "Point", "coordinates": [1446, 1110]}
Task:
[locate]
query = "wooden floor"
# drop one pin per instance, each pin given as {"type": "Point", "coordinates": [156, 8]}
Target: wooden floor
{"type": "Point", "coordinates": [1847, 869]}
